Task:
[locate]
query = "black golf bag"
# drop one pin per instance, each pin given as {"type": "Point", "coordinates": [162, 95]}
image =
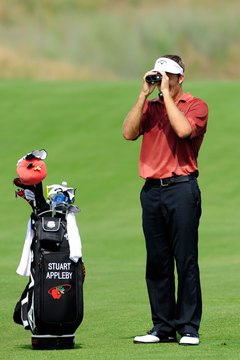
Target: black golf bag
{"type": "Point", "coordinates": [52, 303]}
{"type": "Point", "coordinates": [51, 306]}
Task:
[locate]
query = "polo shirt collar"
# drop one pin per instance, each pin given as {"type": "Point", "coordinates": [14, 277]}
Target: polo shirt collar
{"type": "Point", "coordinates": [186, 97]}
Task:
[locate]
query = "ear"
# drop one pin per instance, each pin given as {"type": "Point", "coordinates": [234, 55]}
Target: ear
{"type": "Point", "coordinates": [181, 79]}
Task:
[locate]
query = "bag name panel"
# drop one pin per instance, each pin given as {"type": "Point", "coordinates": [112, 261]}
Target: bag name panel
{"type": "Point", "coordinates": [59, 289]}
{"type": "Point", "coordinates": [59, 271]}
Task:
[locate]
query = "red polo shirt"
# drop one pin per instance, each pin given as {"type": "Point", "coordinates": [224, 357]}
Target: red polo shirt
{"type": "Point", "coordinates": [163, 154]}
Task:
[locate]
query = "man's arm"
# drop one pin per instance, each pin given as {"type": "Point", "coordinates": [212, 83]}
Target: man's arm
{"type": "Point", "coordinates": [177, 119]}
{"type": "Point", "coordinates": [131, 123]}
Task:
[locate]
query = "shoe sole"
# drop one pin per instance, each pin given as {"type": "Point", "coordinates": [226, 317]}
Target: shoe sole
{"type": "Point", "coordinates": [188, 344]}
{"type": "Point", "coordinates": [155, 342]}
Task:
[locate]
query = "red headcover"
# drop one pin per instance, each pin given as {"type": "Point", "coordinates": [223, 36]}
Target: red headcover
{"type": "Point", "coordinates": [31, 172]}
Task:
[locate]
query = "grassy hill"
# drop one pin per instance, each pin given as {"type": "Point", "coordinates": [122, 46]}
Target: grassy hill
{"type": "Point", "coordinates": [105, 39]}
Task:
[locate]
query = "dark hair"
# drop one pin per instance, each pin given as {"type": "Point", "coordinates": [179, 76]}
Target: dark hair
{"type": "Point", "coordinates": [177, 59]}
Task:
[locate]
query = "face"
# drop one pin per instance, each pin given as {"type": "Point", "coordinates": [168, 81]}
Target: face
{"type": "Point", "coordinates": [175, 82]}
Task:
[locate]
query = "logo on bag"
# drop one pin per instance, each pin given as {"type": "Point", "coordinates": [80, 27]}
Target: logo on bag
{"type": "Point", "coordinates": [50, 225]}
{"type": "Point", "coordinates": [57, 291]}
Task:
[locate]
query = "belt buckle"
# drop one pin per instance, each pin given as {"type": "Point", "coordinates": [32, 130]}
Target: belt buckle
{"type": "Point", "coordinates": [162, 183]}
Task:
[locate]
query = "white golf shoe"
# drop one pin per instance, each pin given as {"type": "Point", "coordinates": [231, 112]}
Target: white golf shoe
{"type": "Point", "coordinates": [189, 339]}
{"type": "Point", "coordinates": [146, 339]}
{"type": "Point", "coordinates": [152, 338]}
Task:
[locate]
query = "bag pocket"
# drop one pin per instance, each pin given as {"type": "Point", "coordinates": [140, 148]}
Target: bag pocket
{"type": "Point", "coordinates": [50, 229]}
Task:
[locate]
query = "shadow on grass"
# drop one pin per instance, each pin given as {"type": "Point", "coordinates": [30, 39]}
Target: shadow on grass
{"type": "Point", "coordinates": [29, 347]}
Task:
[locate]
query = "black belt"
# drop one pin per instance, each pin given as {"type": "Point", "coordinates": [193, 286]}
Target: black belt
{"type": "Point", "coordinates": [170, 180]}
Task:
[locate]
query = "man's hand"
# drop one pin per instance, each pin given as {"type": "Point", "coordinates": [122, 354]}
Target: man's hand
{"type": "Point", "coordinates": [165, 83]}
{"type": "Point", "coordinates": [148, 88]}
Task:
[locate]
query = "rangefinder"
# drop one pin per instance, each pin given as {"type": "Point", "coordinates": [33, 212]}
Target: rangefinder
{"type": "Point", "coordinates": [153, 78]}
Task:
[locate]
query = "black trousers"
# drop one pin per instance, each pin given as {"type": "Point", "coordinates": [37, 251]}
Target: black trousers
{"type": "Point", "coordinates": [170, 218]}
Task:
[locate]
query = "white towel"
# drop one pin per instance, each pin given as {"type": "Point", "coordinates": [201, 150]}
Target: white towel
{"type": "Point", "coordinates": [74, 238]}
{"type": "Point", "coordinates": [25, 262]}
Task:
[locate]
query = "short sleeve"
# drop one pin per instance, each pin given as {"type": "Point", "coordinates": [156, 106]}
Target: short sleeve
{"type": "Point", "coordinates": [197, 115]}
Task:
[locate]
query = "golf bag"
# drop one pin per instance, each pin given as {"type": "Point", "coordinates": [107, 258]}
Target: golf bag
{"type": "Point", "coordinates": [51, 306]}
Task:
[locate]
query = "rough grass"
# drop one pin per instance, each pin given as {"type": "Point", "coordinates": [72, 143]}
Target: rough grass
{"type": "Point", "coordinates": [107, 39]}
{"type": "Point", "coordinates": [80, 126]}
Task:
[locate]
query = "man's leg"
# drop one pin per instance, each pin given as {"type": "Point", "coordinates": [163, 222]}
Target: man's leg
{"type": "Point", "coordinates": [160, 262]}
{"type": "Point", "coordinates": [184, 211]}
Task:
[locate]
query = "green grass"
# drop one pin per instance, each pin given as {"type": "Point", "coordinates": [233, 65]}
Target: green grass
{"type": "Point", "coordinates": [79, 124]}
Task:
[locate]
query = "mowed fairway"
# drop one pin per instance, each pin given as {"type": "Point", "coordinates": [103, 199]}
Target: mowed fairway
{"type": "Point", "coordinates": [79, 124]}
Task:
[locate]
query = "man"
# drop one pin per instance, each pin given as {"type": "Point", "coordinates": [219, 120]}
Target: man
{"type": "Point", "coordinates": [172, 129]}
